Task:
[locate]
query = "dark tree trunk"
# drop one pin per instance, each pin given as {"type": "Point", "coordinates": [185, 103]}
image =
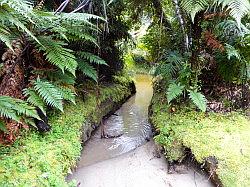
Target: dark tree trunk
{"type": "Point", "coordinates": [11, 84]}
{"type": "Point", "coordinates": [160, 14]}
{"type": "Point", "coordinates": [196, 34]}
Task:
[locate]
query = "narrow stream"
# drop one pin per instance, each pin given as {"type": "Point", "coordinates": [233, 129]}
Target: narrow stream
{"type": "Point", "coordinates": [128, 160]}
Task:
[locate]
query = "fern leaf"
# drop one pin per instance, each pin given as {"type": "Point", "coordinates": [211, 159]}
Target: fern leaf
{"type": "Point", "coordinates": [87, 69]}
{"type": "Point", "coordinates": [59, 77]}
{"type": "Point", "coordinates": [80, 17]}
{"type": "Point", "coordinates": [49, 93]}
{"type": "Point", "coordinates": [23, 7]}
{"type": "Point", "coordinates": [57, 55]}
{"type": "Point", "coordinates": [15, 108]}
{"type": "Point", "coordinates": [198, 99]}
{"type": "Point", "coordinates": [174, 90]}
{"type": "Point", "coordinates": [4, 37]}
{"type": "Point", "coordinates": [232, 52]}
{"type": "Point", "coordinates": [67, 94]}
{"type": "Point", "coordinates": [3, 126]}
{"type": "Point", "coordinates": [92, 58]}
{"type": "Point", "coordinates": [192, 7]}
{"type": "Point", "coordinates": [34, 99]}
{"type": "Point", "coordinates": [23, 108]}
{"type": "Point", "coordinates": [20, 25]}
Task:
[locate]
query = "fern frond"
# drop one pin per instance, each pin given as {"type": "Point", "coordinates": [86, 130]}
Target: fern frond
{"type": "Point", "coordinates": [67, 94]}
{"type": "Point", "coordinates": [237, 8]}
{"type": "Point", "coordinates": [15, 108]}
{"type": "Point", "coordinates": [4, 37]}
{"type": "Point", "coordinates": [232, 52]}
{"type": "Point", "coordinates": [80, 17]}
{"type": "Point", "coordinates": [6, 109]}
{"type": "Point", "coordinates": [87, 69]}
{"type": "Point", "coordinates": [57, 54]}
{"type": "Point", "coordinates": [192, 7]}
{"type": "Point", "coordinates": [49, 93]}
{"type": "Point", "coordinates": [198, 99]}
{"type": "Point", "coordinates": [92, 58]}
{"type": "Point", "coordinates": [174, 90]}
{"type": "Point", "coordinates": [59, 77]}
{"type": "Point", "coordinates": [34, 99]}
{"type": "Point", "coordinates": [3, 126]}
{"type": "Point", "coordinates": [23, 7]}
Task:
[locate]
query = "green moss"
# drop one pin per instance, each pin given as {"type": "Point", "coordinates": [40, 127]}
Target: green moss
{"type": "Point", "coordinates": [45, 160]}
{"type": "Point", "coordinates": [225, 136]}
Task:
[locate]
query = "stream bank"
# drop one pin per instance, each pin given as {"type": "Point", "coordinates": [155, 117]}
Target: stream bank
{"type": "Point", "coordinates": [219, 143]}
{"type": "Point", "coordinates": [131, 159]}
{"type": "Point", "coordinates": [45, 159]}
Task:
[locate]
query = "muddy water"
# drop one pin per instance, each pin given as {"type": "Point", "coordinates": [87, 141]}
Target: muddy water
{"type": "Point", "coordinates": [128, 160]}
{"type": "Point", "coordinates": [130, 121]}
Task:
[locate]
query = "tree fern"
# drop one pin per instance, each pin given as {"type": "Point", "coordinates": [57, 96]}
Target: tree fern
{"type": "Point", "coordinates": [57, 54]}
{"type": "Point", "coordinates": [174, 90]}
{"type": "Point", "coordinates": [237, 8]}
{"type": "Point", "coordinates": [20, 6]}
{"type": "Point", "coordinates": [198, 99]}
{"type": "Point", "coordinates": [192, 7]}
{"type": "Point", "coordinates": [80, 17]}
{"type": "Point", "coordinates": [49, 93]}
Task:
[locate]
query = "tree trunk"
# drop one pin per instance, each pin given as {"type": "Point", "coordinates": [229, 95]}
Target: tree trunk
{"type": "Point", "coordinates": [11, 84]}
{"type": "Point", "coordinates": [160, 14]}
{"type": "Point", "coordinates": [182, 25]}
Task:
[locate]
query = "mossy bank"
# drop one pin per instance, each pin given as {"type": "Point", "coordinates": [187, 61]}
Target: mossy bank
{"type": "Point", "coordinates": [219, 142]}
{"type": "Point", "coordinates": [45, 160]}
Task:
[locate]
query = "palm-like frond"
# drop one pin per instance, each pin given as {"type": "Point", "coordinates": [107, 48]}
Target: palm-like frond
{"type": "Point", "coordinates": [49, 93]}
{"type": "Point", "coordinates": [87, 69]}
{"type": "Point", "coordinates": [198, 99]}
{"type": "Point", "coordinates": [174, 90]}
{"type": "Point", "coordinates": [14, 109]}
{"type": "Point", "coordinates": [92, 58]}
{"type": "Point", "coordinates": [57, 54]}
{"type": "Point", "coordinates": [237, 8]}
{"type": "Point", "coordinates": [34, 99]}
{"type": "Point", "coordinates": [192, 7]}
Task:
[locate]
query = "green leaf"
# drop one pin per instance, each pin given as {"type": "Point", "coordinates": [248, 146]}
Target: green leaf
{"type": "Point", "coordinates": [67, 94]}
{"type": "Point", "coordinates": [3, 126]}
{"type": "Point", "coordinates": [92, 58]}
{"type": "Point", "coordinates": [87, 70]}
{"type": "Point", "coordinates": [174, 90]}
{"type": "Point", "coordinates": [49, 93]}
{"type": "Point", "coordinates": [57, 54]}
{"type": "Point", "coordinates": [198, 99]}
{"type": "Point", "coordinates": [34, 99]}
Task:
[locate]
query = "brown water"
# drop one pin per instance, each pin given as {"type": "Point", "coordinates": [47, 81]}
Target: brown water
{"type": "Point", "coordinates": [128, 161]}
{"type": "Point", "coordinates": [131, 120]}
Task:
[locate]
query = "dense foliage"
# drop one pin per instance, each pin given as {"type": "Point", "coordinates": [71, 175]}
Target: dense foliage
{"type": "Point", "coordinates": [50, 49]}
{"type": "Point", "coordinates": [202, 53]}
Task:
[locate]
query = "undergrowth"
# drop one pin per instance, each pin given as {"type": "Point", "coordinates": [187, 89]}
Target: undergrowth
{"type": "Point", "coordinates": [45, 160]}
{"type": "Point", "coordinates": [224, 136]}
